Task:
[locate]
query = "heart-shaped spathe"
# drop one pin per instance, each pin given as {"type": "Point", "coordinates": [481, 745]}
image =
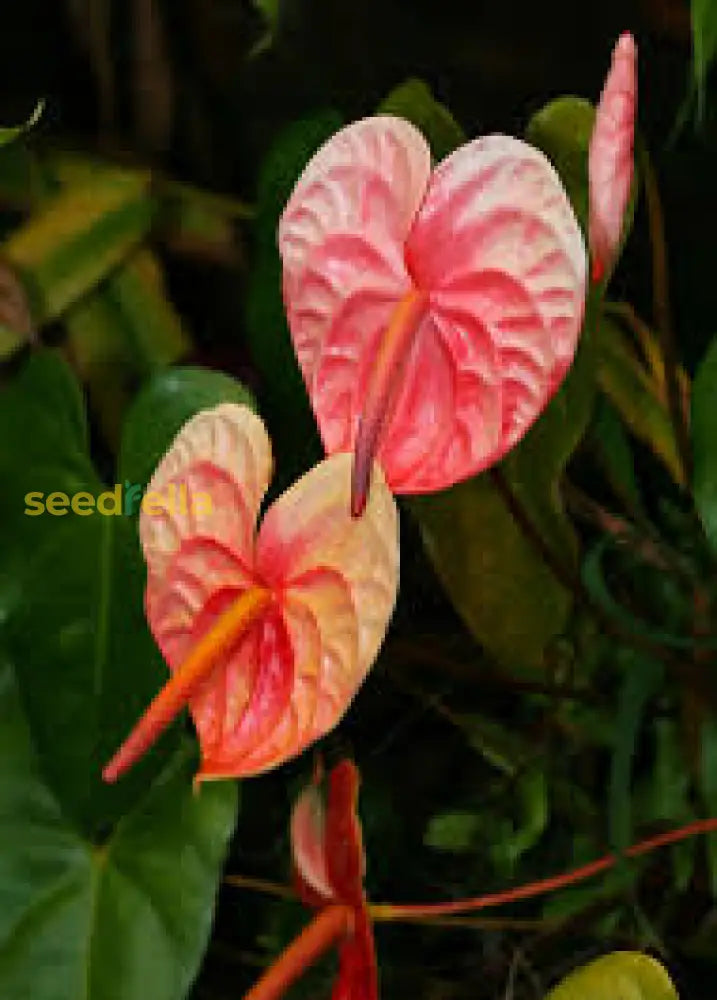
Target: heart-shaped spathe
{"type": "Point", "coordinates": [434, 314]}
{"type": "Point", "coordinates": [314, 588]}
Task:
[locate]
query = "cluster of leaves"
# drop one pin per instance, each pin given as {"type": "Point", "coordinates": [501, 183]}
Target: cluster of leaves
{"type": "Point", "coordinates": [556, 704]}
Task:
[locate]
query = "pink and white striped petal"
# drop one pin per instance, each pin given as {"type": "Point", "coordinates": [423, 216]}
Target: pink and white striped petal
{"type": "Point", "coordinates": [329, 585]}
{"type": "Point", "coordinates": [496, 258]}
{"type": "Point", "coordinates": [611, 156]}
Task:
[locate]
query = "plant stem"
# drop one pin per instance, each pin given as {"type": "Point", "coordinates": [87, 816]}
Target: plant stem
{"type": "Point", "coordinates": [325, 929]}
{"type": "Point", "coordinates": [389, 911]}
{"type": "Point", "coordinates": [662, 315]}
{"type": "Point", "coordinates": [261, 885]}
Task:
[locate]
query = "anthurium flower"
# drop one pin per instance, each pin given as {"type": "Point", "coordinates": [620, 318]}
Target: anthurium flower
{"type": "Point", "coordinates": [268, 633]}
{"type": "Point", "coordinates": [610, 159]}
{"type": "Point", "coordinates": [433, 314]}
{"type": "Point", "coordinates": [328, 858]}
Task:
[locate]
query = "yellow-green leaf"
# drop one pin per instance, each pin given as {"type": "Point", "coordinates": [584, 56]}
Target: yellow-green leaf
{"type": "Point", "coordinates": [78, 238]}
{"type": "Point", "coordinates": [9, 134]}
{"type": "Point", "coordinates": [622, 975]}
{"type": "Point", "coordinates": [632, 391]}
{"type": "Point", "coordinates": [123, 333]}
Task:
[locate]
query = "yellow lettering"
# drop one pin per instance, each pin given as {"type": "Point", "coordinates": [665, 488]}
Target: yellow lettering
{"type": "Point", "coordinates": [113, 497]}
{"type": "Point", "coordinates": [83, 504]}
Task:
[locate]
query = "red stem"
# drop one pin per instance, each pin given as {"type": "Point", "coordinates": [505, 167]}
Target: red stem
{"type": "Point", "coordinates": [328, 926]}
{"type": "Point", "coordinates": [388, 911]}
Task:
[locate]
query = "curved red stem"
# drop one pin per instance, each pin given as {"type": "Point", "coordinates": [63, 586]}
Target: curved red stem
{"type": "Point", "coordinates": [388, 911]}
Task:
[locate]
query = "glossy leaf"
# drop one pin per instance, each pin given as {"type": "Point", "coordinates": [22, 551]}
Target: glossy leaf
{"type": "Point", "coordinates": [102, 920]}
{"type": "Point", "coordinates": [331, 579]}
{"type": "Point", "coordinates": [621, 974]}
{"type": "Point", "coordinates": [704, 438]}
{"type": "Point", "coordinates": [74, 241]}
{"type": "Point", "coordinates": [497, 580]}
{"type": "Point", "coordinates": [496, 311]}
{"type": "Point", "coordinates": [414, 101]}
{"type": "Point", "coordinates": [74, 610]}
{"type": "Point", "coordinates": [611, 156]}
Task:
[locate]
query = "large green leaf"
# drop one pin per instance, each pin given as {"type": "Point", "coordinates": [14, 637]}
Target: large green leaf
{"type": "Point", "coordinates": [78, 237]}
{"type": "Point", "coordinates": [287, 408]}
{"type": "Point", "coordinates": [495, 576]}
{"type": "Point", "coordinates": [72, 603]}
{"type": "Point", "coordinates": [704, 442]}
{"type": "Point", "coordinates": [106, 892]}
{"type": "Point", "coordinates": [72, 600]}
{"type": "Point", "coordinates": [622, 975]}
{"type": "Point", "coordinates": [122, 920]}
{"type": "Point", "coordinates": [414, 101]}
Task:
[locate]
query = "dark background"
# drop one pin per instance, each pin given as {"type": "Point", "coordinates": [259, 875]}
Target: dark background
{"type": "Point", "coordinates": [204, 102]}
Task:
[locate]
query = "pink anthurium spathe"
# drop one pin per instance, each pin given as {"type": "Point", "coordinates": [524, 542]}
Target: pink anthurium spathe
{"type": "Point", "coordinates": [611, 159]}
{"type": "Point", "coordinates": [268, 633]}
{"type": "Point", "coordinates": [433, 313]}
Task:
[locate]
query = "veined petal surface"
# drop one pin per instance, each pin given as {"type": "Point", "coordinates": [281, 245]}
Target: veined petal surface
{"type": "Point", "coordinates": [495, 246]}
{"type": "Point", "coordinates": [291, 675]}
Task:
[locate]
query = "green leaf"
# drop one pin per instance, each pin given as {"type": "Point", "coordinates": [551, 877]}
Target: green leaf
{"type": "Point", "coordinates": [269, 10]}
{"type": "Point", "coordinates": [74, 609]}
{"type": "Point", "coordinates": [704, 46]}
{"type": "Point", "coordinates": [285, 404]}
{"type": "Point", "coordinates": [78, 237]}
{"type": "Point", "coordinates": [641, 681]}
{"type": "Point", "coordinates": [414, 101]}
{"type": "Point", "coordinates": [457, 832]}
{"type": "Point", "coordinates": [704, 442]}
{"type": "Point", "coordinates": [621, 975]}
{"type": "Point", "coordinates": [630, 389]}
{"type": "Point", "coordinates": [615, 456]}
{"type": "Point", "coordinates": [122, 333]}
{"type": "Point", "coordinates": [72, 604]}
{"type": "Point", "coordinates": [492, 571]}
{"type": "Point", "coordinates": [168, 400]}
{"type": "Point", "coordinates": [106, 922]}
{"type": "Point", "coordinates": [496, 580]}
{"type": "Point", "coordinates": [562, 129]}
{"type": "Point", "coordinates": [536, 465]}
{"type": "Point", "coordinates": [8, 135]}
